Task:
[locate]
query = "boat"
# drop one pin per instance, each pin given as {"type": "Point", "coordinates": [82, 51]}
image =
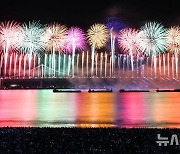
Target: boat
{"type": "Point", "coordinates": [177, 90]}
{"type": "Point", "coordinates": [100, 90]}
{"type": "Point", "coordinates": [168, 90]}
{"type": "Point", "coordinates": [65, 90]}
{"type": "Point", "coordinates": [133, 90]}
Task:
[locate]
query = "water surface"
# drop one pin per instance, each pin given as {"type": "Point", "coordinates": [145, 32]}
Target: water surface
{"type": "Point", "coordinates": [42, 108]}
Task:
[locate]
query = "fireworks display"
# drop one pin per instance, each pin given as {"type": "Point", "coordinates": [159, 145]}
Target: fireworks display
{"type": "Point", "coordinates": [32, 37]}
{"type": "Point", "coordinates": [10, 38]}
{"type": "Point", "coordinates": [128, 40]}
{"type": "Point", "coordinates": [76, 37]}
{"type": "Point", "coordinates": [10, 35]}
{"type": "Point", "coordinates": [114, 25]}
{"type": "Point", "coordinates": [173, 39]}
{"type": "Point", "coordinates": [97, 35]}
{"type": "Point", "coordinates": [75, 40]}
{"type": "Point", "coordinates": [152, 38]}
{"type": "Point", "coordinates": [39, 44]}
{"type": "Point", "coordinates": [55, 37]}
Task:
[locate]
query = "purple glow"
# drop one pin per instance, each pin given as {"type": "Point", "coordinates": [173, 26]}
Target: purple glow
{"type": "Point", "coordinates": [114, 25]}
{"type": "Point", "coordinates": [76, 37]}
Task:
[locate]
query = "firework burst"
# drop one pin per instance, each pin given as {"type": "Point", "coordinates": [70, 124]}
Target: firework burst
{"type": "Point", "coordinates": [75, 39]}
{"type": "Point", "coordinates": [54, 37]}
{"type": "Point", "coordinates": [10, 35]}
{"type": "Point", "coordinates": [128, 40]}
{"type": "Point", "coordinates": [10, 38]}
{"type": "Point", "coordinates": [152, 38]}
{"type": "Point", "coordinates": [97, 35]}
{"type": "Point", "coordinates": [114, 25]}
{"type": "Point", "coordinates": [173, 39]}
{"type": "Point", "coordinates": [32, 38]}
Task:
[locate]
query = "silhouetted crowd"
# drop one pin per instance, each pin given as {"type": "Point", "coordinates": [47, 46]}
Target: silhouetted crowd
{"type": "Point", "coordinates": [84, 140]}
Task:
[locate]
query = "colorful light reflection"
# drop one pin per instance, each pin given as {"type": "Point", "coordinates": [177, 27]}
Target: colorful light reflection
{"type": "Point", "coordinates": [42, 108]}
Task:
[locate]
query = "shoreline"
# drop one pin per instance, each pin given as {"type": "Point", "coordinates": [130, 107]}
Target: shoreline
{"type": "Point", "coordinates": [96, 90]}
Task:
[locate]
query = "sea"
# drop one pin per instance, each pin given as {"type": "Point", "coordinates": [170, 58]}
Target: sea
{"type": "Point", "coordinates": [44, 108]}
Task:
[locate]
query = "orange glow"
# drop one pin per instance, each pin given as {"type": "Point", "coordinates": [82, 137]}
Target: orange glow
{"type": "Point", "coordinates": [167, 111]}
{"type": "Point", "coordinates": [96, 110]}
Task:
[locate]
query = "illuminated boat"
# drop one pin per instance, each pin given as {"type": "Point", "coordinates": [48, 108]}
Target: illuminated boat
{"type": "Point", "coordinates": [65, 90]}
{"type": "Point", "coordinates": [100, 90]}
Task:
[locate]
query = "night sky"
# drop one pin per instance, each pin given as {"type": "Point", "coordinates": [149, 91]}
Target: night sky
{"type": "Point", "coordinates": [84, 14]}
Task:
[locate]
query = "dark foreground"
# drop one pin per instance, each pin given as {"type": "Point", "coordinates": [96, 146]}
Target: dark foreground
{"type": "Point", "coordinates": [85, 140]}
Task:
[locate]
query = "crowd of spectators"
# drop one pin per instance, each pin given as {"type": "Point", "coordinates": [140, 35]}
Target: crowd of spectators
{"type": "Point", "coordinates": [84, 140]}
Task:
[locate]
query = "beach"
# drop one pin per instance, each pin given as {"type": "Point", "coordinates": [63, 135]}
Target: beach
{"type": "Point", "coordinates": [84, 140]}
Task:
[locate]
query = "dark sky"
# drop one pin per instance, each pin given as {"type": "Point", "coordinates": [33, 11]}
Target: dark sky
{"type": "Point", "coordinates": [83, 14]}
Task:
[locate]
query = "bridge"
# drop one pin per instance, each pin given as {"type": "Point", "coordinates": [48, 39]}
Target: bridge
{"type": "Point", "coordinates": [91, 82]}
